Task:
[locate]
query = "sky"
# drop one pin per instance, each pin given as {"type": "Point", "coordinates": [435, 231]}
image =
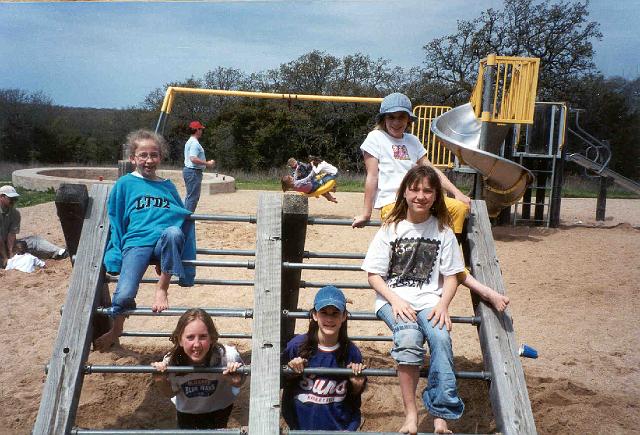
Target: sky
{"type": "Point", "coordinates": [111, 55]}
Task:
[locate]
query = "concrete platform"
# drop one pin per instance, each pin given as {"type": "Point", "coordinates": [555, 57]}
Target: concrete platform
{"type": "Point", "coordinates": [43, 179]}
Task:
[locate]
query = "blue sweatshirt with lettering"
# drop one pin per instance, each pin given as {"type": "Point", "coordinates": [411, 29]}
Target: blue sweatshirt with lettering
{"type": "Point", "coordinates": [139, 211]}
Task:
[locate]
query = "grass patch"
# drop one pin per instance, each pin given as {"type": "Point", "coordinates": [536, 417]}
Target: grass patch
{"type": "Point", "coordinates": [32, 197]}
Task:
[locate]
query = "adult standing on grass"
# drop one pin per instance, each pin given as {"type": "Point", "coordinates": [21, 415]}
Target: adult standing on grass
{"type": "Point", "coordinates": [194, 164]}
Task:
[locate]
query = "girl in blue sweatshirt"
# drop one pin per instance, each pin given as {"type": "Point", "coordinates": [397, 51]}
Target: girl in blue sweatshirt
{"type": "Point", "coordinates": [148, 222]}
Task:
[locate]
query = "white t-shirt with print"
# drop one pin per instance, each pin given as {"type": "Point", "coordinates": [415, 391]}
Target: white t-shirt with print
{"type": "Point", "coordinates": [197, 393]}
{"type": "Point", "coordinates": [395, 158]}
{"type": "Point", "coordinates": [413, 259]}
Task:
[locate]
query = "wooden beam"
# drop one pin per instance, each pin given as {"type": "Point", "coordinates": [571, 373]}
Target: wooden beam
{"type": "Point", "coordinates": [264, 405]}
{"type": "Point", "coordinates": [295, 213]}
{"type": "Point", "coordinates": [508, 390]}
{"type": "Point", "coordinates": [61, 391]}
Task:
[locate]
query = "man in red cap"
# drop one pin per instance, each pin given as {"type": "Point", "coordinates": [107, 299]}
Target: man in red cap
{"type": "Point", "coordinates": [194, 164]}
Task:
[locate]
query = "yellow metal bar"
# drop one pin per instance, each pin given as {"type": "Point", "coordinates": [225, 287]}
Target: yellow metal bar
{"type": "Point", "coordinates": [275, 96]}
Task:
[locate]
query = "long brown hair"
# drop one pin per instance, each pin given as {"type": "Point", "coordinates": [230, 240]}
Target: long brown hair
{"type": "Point", "coordinates": [309, 347]}
{"type": "Point", "coordinates": [414, 176]}
{"type": "Point", "coordinates": [177, 355]}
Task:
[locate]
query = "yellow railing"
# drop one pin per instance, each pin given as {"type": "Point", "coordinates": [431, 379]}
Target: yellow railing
{"type": "Point", "coordinates": [436, 152]}
{"type": "Point", "coordinates": [514, 93]}
{"type": "Point", "coordinates": [172, 91]}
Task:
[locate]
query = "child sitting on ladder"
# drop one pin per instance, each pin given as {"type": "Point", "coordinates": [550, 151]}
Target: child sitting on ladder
{"type": "Point", "coordinates": [202, 400]}
{"type": "Point", "coordinates": [412, 264]}
{"type": "Point", "coordinates": [148, 222]}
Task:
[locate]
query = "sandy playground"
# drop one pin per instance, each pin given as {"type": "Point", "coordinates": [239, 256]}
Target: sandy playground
{"type": "Point", "coordinates": [574, 293]}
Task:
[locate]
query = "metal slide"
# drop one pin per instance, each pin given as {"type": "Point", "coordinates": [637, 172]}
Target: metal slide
{"type": "Point", "coordinates": [504, 181]}
{"type": "Point", "coordinates": [603, 171]}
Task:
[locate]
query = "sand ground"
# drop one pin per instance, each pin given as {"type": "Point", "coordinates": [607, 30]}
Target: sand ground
{"type": "Point", "coordinates": [574, 293]}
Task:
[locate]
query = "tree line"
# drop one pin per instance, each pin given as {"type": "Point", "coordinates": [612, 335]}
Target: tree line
{"type": "Point", "coordinates": [256, 134]}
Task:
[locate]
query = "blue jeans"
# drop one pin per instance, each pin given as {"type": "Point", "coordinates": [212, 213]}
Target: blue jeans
{"type": "Point", "coordinates": [440, 396]}
{"type": "Point", "coordinates": [193, 183]}
{"type": "Point", "coordinates": [135, 260]}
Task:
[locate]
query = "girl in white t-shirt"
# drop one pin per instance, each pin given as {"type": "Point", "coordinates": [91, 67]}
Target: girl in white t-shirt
{"type": "Point", "coordinates": [389, 152]}
{"type": "Point", "coordinates": [202, 400]}
{"type": "Point", "coordinates": [412, 264]}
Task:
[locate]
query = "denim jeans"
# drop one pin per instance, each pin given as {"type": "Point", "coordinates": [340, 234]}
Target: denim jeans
{"type": "Point", "coordinates": [193, 183]}
{"type": "Point", "coordinates": [135, 260]}
{"type": "Point", "coordinates": [41, 247]}
{"type": "Point", "coordinates": [440, 396]}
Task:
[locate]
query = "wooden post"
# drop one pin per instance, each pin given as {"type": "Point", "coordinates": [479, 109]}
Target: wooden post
{"type": "Point", "coordinates": [601, 204]}
{"type": "Point", "coordinates": [61, 392]}
{"type": "Point", "coordinates": [295, 213]}
{"type": "Point", "coordinates": [508, 390]}
{"type": "Point", "coordinates": [124, 167]}
{"type": "Point", "coordinates": [71, 204]}
{"type": "Point", "coordinates": [264, 405]}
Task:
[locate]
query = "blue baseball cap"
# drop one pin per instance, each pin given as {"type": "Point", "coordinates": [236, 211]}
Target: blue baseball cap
{"type": "Point", "coordinates": [396, 102]}
{"type": "Point", "coordinates": [330, 296]}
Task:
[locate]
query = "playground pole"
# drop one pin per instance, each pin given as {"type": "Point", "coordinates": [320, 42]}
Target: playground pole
{"type": "Point", "coordinates": [487, 108]}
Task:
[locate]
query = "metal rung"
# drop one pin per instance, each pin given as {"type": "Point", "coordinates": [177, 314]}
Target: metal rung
{"type": "Point", "coordinates": [230, 282]}
{"type": "Point", "coordinates": [318, 266]}
{"type": "Point", "coordinates": [345, 222]}
{"type": "Point", "coordinates": [77, 431]}
{"type": "Point", "coordinates": [368, 315]}
{"type": "Point", "coordinates": [246, 313]}
{"type": "Point", "coordinates": [242, 336]}
{"type": "Point", "coordinates": [341, 285]}
{"type": "Point", "coordinates": [246, 370]}
{"type": "Point", "coordinates": [223, 218]}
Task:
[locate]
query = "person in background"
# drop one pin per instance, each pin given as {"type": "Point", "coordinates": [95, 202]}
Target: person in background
{"type": "Point", "coordinates": [194, 164]}
{"type": "Point", "coordinates": [299, 170]}
{"type": "Point", "coordinates": [10, 227]}
{"type": "Point", "coordinates": [22, 260]}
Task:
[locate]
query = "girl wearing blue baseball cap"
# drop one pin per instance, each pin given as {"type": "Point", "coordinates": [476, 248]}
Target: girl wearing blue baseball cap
{"type": "Point", "coordinates": [324, 402]}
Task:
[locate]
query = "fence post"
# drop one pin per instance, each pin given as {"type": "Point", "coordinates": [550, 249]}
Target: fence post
{"type": "Point", "coordinates": [295, 213]}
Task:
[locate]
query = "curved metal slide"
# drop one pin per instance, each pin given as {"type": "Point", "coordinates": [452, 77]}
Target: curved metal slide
{"type": "Point", "coordinates": [504, 181]}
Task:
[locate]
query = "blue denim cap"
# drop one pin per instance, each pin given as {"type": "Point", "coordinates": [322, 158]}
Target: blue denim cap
{"type": "Point", "coordinates": [330, 296]}
{"type": "Point", "coordinates": [396, 102]}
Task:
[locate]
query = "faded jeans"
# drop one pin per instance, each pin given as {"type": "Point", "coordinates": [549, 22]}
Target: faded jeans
{"type": "Point", "coordinates": [193, 184]}
{"type": "Point", "coordinates": [440, 396]}
{"type": "Point", "coordinates": [135, 260]}
{"type": "Point", "coordinates": [41, 247]}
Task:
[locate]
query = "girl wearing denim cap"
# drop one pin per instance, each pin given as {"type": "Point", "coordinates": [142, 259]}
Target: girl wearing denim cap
{"type": "Point", "coordinates": [324, 402]}
{"type": "Point", "coordinates": [148, 222]}
{"type": "Point", "coordinates": [412, 264]}
{"type": "Point", "coordinates": [389, 152]}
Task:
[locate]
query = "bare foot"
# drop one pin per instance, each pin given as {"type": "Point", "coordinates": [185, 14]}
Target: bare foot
{"type": "Point", "coordinates": [498, 301]}
{"type": "Point", "coordinates": [105, 341]}
{"type": "Point", "coordinates": [440, 426]}
{"type": "Point", "coordinates": [162, 301]}
{"type": "Point", "coordinates": [410, 426]}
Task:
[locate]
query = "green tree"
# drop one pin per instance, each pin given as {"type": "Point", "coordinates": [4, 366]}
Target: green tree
{"type": "Point", "coordinates": [560, 34]}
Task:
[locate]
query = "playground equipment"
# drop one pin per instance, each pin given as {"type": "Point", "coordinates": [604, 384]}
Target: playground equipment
{"type": "Point", "coordinates": [474, 132]}
{"type": "Point", "coordinates": [280, 238]}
